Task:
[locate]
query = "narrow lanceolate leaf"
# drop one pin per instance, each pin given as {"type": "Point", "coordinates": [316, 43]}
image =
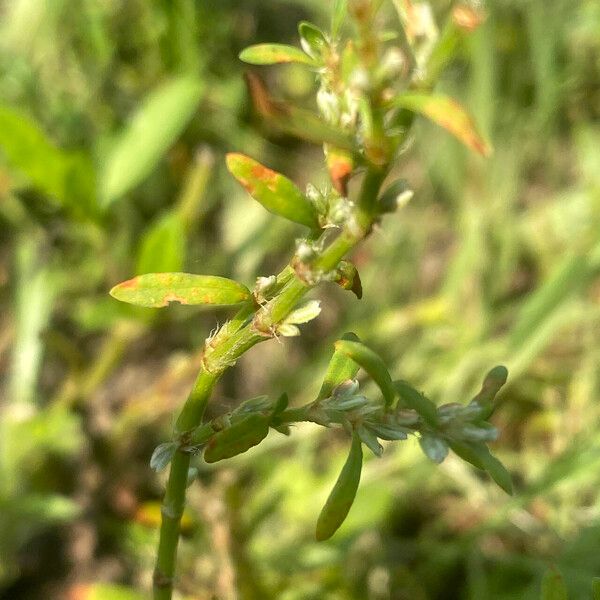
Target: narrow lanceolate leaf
{"type": "Point", "coordinates": [150, 133]}
{"type": "Point", "coordinates": [155, 290]}
{"type": "Point", "coordinates": [291, 120]}
{"type": "Point", "coordinates": [478, 454]}
{"type": "Point", "coordinates": [372, 364]}
{"type": "Point", "coordinates": [238, 438]}
{"type": "Point", "coordinates": [417, 401]}
{"type": "Point", "coordinates": [341, 368]}
{"type": "Point", "coordinates": [274, 191]}
{"type": "Point", "coordinates": [342, 495]}
{"type": "Point", "coordinates": [446, 113]}
{"type": "Point", "coordinates": [271, 54]}
{"type": "Point", "coordinates": [553, 586]}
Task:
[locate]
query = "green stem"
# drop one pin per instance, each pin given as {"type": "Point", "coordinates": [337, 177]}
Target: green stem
{"type": "Point", "coordinates": [233, 340]}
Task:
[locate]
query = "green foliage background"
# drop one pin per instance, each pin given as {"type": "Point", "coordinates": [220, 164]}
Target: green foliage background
{"type": "Point", "coordinates": [493, 261]}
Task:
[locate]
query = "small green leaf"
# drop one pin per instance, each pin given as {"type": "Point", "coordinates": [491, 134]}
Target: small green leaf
{"type": "Point", "coordinates": [305, 313]}
{"type": "Point", "coordinates": [162, 248]}
{"type": "Point", "coordinates": [417, 401]}
{"type": "Point", "coordinates": [274, 191]}
{"type": "Point", "coordinates": [153, 129]}
{"type": "Point", "coordinates": [369, 439]}
{"type": "Point", "coordinates": [446, 113]}
{"type": "Point", "coordinates": [435, 448]}
{"type": "Point", "coordinates": [466, 451]}
{"type": "Point", "coordinates": [237, 438]}
{"type": "Point", "coordinates": [155, 290]}
{"type": "Point", "coordinates": [372, 363]}
{"type": "Point", "coordinates": [271, 54]}
{"type": "Point", "coordinates": [343, 493]}
{"type": "Point", "coordinates": [288, 330]}
{"type": "Point", "coordinates": [497, 472]}
{"type": "Point", "coordinates": [553, 586]}
{"type": "Point", "coordinates": [313, 40]}
{"type": "Point", "coordinates": [478, 454]}
{"type": "Point", "coordinates": [341, 368]}
{"type": "Point", "coordinates": [492, 383]}
{"type": "Point", "coordinates": [162, 456]}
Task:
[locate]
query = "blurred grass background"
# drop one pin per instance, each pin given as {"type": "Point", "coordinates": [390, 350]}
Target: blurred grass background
{"type": "Point", "coordinates": [494, 261]}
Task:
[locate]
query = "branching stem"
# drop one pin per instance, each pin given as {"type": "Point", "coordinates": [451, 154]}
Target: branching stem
{"type": "Point", "coordinates": [234, 339]}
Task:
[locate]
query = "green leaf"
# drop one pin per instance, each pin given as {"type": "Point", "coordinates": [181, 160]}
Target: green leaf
{"type": "Point", "coordinates": [162, 456]}
{"type": "Point", "coordinates": [341, 368]}
{"type": "Point", "coordinates": [274, 191]}
{"type": "Point", "coordinates": [155, 290]}
{"type": "Point", "coordinates": [271, 54]}
{"type": "Point", "coordinates": [153, 129]}
{"type": "Point", "coordinates": [237, 438]}
{"type": "Point", "coordinates": [291, 120]}
{"type": "Point", "coordinates": [372, 363]}
{"type": "Point", "coordinates": [553, 586]}
{"type": "Point", "coordinates": [305, 313]}
{"type": "Point", "coordinates": [435, 448]}
{"type": "Point", "coordinates": [417, 401]}
{"type": "Point", "coordinates": [343, 493]}
{"type": "Point", "coordinates": [68, 177]}
{"type": "Point", "coordinates": [447, 113]}
{"type": "Point", "coordinates": [162, 247]}
{"type": "Point", "coordinates": [567, 277]}
{"type": "Point", "coordinates": [338, 14]}
{"type": "Point", "coordinates": [369, 439]}
{"type": "Point", "coordinates": [478, 454]}
{"type": "Point", "coordinates": [492, 383]}
{"type": "Point", "coordinates": [313, 40]}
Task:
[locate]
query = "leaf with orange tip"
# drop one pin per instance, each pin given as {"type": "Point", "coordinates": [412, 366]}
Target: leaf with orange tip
{"type": "Point", "coordinates": [447, 113]}
{"type": "Point", "coordinates": [275, 192]}
{"type": "Point", "coordinates": [271, 54]}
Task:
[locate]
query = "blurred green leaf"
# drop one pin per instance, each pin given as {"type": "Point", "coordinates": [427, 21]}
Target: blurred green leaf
{"type": "Point", "coordinates": [152, 130]}
{"type": "Point", "coordinates": [68, 177]}
{"type": "Point", "coordinates": [338, 14]}
{"type": "Point", "coordinates": [372, 363]}
{"type": "Point", "coordinates": [270, 54]}
{"type": "Point", "coordinates": [162, 247]}
{"type": "Point", "coordinates": [274, 191]}
{"type": "Point", "coordinates": [155, 290]}
{"type": "Point", "coordinates": [478, 454]}
{"type": "Point", "coordinates": [565, 280]}
{"type": "Point", "coordinates": [553, 586]}
{"type": "Point", "coordinates": [342, 495]}
{"type": "Point", "coordinates": [596, 588]}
